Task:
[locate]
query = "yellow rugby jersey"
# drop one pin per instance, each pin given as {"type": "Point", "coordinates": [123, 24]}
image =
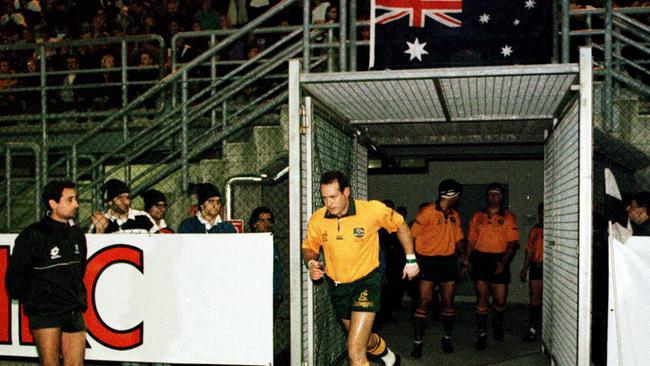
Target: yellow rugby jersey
{"type": "Point", "coordinates": [350, 243]}
{"type": "Point", "coordinates": [435, 234]}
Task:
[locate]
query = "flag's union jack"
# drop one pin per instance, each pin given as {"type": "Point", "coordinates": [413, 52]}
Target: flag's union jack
{"type": "Point", "coordinates": [418, 10]}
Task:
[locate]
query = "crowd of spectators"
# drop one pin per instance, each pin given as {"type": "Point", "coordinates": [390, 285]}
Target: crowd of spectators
{"type": "Point", "coordinates": [54, 21]}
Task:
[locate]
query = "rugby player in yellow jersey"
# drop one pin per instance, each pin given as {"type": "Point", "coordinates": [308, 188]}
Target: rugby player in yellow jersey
{"type": "Point", "coordinates": [346, 229]}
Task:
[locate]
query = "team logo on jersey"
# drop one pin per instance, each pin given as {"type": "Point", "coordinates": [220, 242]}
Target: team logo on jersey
{"type": "Point", "coordinates": [358, 232]}
{"type": "Point", "coordinates": [501, 222]}
{"type": "Point", "coordinates": [54, 253]}
{"type": "Point", "coordinates": [453, 219]}
{"type": "Point", "coordinates": [363, 301]}
{"type": "Point", "coordinates": [325, 236]}
{"type": "Point", "coordinates": [439, 221]}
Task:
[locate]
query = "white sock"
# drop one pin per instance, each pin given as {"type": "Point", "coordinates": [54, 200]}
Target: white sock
{"type": "Point", "coordinates": [532, 330]}
{"type": "Point", "coordinates": [389, 358]}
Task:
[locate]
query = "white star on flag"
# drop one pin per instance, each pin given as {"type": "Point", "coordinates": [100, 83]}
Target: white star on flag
{"type": "Point", "coordinates": [530, 4]}
{"type": "Point", "coordinates": [506, 51]}
{"type": "Point", "coordinates": [484, 18]}
{"type": "Point", "coordinates": [416, 50]}
{"type": "Point", "coordinates": [516, 22]}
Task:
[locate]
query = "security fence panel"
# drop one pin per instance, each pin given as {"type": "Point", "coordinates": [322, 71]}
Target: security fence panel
{"type": "Point", "coordinates": [567, 233]}
{"type": "Point", "coordinates": [332, 149]}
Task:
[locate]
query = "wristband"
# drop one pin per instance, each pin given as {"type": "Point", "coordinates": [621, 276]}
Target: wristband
{"type": "Point", "coordinates": [410, 259]}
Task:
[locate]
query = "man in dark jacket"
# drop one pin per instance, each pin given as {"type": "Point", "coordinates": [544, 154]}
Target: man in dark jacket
{"type": "Point", "coordinates": [45, 274]}
{"type": "Point", "coordinates": [208, 219]}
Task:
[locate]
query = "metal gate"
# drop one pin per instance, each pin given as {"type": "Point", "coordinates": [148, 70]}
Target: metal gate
{"type": "Point", "coordinates": [567, 230]}
{"type": "Point", "coordinates": [319, 142]}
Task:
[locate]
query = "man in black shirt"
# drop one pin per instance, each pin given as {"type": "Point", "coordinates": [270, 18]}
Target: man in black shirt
{"type": "Point", "coordinates": [120, 217]}
{"type": "Point", "coordinates": [45, 273]}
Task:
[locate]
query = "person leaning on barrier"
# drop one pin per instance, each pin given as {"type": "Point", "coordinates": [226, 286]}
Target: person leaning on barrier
{"type": "Point", "coordinates": [346, 230]}
{"type": "Point", "coordinates": [207, 219]}
{"type": "Point", "coordinates": [262, 221]}
{"type": "Point", "coordinates": [493, 241]}
{"type": "Point", "coordinates": [45, 273]}
{"type": "Point", "coordinates": [637, 212]}
{"type": "Point", "coordinates": [155, 204]}
{"type": "Point", "coordinates": [120, 217]}
{"type": "Point", "coordinates": [438, 238]}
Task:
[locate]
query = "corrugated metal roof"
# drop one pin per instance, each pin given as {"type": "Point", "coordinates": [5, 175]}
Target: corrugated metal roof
{"type": "Point", "coordinates": [478, 104]}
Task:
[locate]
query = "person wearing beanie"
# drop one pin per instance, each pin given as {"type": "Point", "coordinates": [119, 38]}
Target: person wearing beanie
{"type": "Point", "coordinates": [119, 216]}
{"type": "Point", "coordinates": [155, 204]}
{"type": "Point", "coordinates": [439, 239]}
{"type": "Point", "coordinates": [208, 219]}
{"type": "Point", "coordinates": [493, 241]}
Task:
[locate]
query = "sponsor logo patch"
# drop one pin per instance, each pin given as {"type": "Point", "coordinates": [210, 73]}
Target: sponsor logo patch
{"type": "Point", "coordinates": [358, 232]}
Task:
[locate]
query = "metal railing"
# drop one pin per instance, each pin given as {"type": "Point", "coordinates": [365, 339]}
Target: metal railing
{"type": "Point", "coordinates": [622, 46]}
{"type": "Point", "coordinates": [183, 132]}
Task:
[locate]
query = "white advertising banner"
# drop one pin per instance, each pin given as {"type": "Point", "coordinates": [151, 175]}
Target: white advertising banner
{"type": "Point", "coordinates": [629, 296]}
{"type": "Point", "coordinates": [176, 298]}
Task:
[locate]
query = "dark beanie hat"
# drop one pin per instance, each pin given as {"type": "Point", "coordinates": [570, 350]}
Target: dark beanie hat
{"type": "Point", "coordinates": [114, 188]}
{"type": "Point", "coordinates": [152, 197]}
{"type": "Point", "coordinates": [206, 191]}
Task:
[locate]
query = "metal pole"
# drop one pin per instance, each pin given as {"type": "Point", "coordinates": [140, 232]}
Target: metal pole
{"type": "Point", "coordinates": [585, 198]}
{"type": "Point", "coordinates": [43, 68]}
{"type": "Point", "coordinates": [556, 28]}
{"type": "Point", "coordinates": [306, 21]}
{"type": "Point", "coordinates": [213, 79]}
{"type": "Point", "coordinates": [8, 183]}
{"type": "Point", "coordinates": [353, 35]}
{"type": "Point", "coordinates": [330, 50]}
{"type": "Point", "coordinates": [565, 31]}
{"type": "Point", "coordinates": [608, 90]}
{"type": "Point", "coordinates": [185, 168]}
{"type": "Point", "coordinates": [343, 35]}
{"type": "Point", "coordinates": [125, 91]}
{"type": "Point", "coordinates": [295, 207]}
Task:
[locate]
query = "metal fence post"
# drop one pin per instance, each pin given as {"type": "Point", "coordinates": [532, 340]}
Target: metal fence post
{"type": "Point", "coordinates": [608, 92]}
{"type": "Point", "coordinates": [565, 31]}
{"type": "Point", "coordinates": [185, 170]}
{"type": "Point", "coordinates": [306, 22]}
{"type": "Point", "coordinates": [343, 35]}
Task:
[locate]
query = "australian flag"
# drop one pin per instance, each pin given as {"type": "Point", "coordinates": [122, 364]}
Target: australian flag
{"type": "Point", "coordinates": [448, 33]}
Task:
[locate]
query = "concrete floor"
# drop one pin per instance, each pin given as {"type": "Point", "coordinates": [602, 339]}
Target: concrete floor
{"type": "Point", "coordinates": [512, 351]}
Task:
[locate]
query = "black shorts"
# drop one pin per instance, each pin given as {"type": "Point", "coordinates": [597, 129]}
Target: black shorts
{"type": "Point", "coordinates": [438, 269]}
{"type": "Point", "coordinates": [536, 270]}
{"type": "Point", "coordinates": [71, 322]}
{"type": "Point", "coordinates": [363, 294]}
{"type": "Point", "coordinates": [484, 265]}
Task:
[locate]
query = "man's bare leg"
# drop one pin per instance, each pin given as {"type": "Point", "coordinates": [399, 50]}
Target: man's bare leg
{"type": "Point", "coordinates": [48, 344]}
{"type": "Point", "coordinates": [73, 348]}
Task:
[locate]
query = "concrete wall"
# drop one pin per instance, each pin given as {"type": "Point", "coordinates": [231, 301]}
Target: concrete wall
{"type": "Point", "coordinates": [525, 181]}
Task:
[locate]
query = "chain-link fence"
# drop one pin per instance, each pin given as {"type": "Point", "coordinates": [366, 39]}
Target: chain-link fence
{"type": "Point", "coordinates": [333, 149]}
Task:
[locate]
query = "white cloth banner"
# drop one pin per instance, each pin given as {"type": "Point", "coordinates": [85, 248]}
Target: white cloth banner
{"type": "Point", "coordinates": [175, 298]}
{"type": "Point", "coordinates": [629, 295]}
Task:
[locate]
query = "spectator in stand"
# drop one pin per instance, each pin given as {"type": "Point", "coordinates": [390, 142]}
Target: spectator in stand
{"type": "Point", "coordinates": [208, 17]}
{"type": "Point", "coordinates": [155, 204]}
{"type": "Point", "coordinates": [31, 100]}
{"type": "Point", "coordinates": [119, 217]}
{"type": "Point", "coordinates": [8, 102]}
{"type": "Point", "coordinates": [207, 219]}
{"type": "Point", "coordinates": [143, 76]}
{"type": "Point", "coordinates": [72, 98]}
{"type": "Point", "coordinates": [108, 96]}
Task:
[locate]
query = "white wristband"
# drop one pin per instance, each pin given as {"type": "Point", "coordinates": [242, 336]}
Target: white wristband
{"type": "Point", "coordinates": [410, 256]}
